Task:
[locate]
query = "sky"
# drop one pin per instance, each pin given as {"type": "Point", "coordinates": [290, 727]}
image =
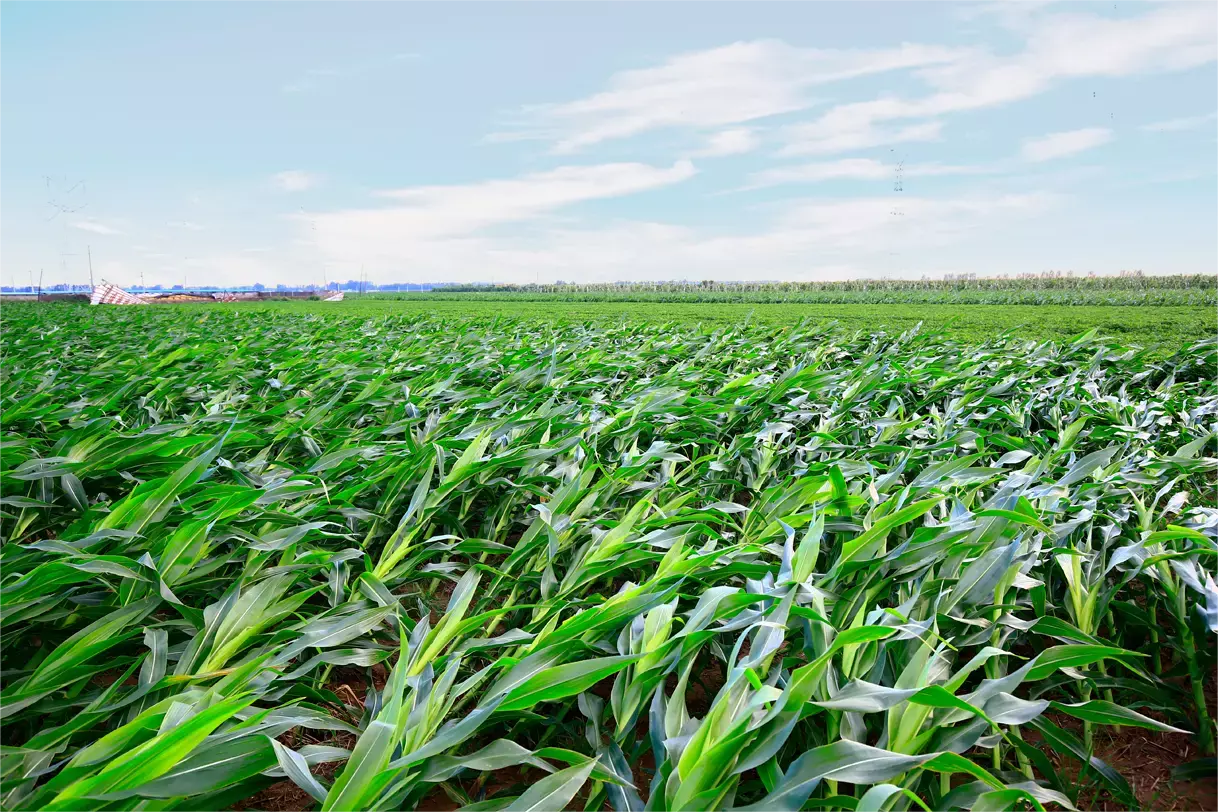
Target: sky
{"type": "Point", "coordinates": [296, 143]}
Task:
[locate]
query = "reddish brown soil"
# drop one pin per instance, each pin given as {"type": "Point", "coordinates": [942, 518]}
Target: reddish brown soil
{"type": "Point", "coordinates": [1146, 759]}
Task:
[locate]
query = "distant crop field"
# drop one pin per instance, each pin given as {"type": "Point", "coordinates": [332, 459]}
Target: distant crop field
{"type": "Point", "coordinates": [1121, 291]}
{"type": "Point", "coordinates": [1162, 328]}
{"type": "Point", "coordinates": [532, 555]}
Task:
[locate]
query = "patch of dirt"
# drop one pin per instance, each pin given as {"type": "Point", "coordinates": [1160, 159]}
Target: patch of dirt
{"type": "Point", "coordinates": [105, 679]}
{"type": "Point", "coordinates": [436, 601]}
{"type": "Point", "coordinates": [350, 683]}
{"type": "Point", "coordinates": [282, 796]}
{"type": "Point", "coordinates": [439, 597]}
{"type": "Point", "coordinates": [1146, 759]}
{"type": "Point", "coordinates": [437, 801]}
{"type": "Point", "coordinates": [484, 786]}
{"type": "Point", "coordinates": [641, 772]}
{"type": "Point", "coordinates": [285, 796]}
{"type": "Point", "coordinates": [380, 675]}
{"type": "Point", "coordinates": [703, 687]}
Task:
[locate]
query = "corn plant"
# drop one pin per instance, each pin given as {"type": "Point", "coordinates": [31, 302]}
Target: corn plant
{"type": "Point", "coordinates": [397, 562]}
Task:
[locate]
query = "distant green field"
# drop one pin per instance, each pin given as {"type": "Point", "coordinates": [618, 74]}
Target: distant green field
{"type": "Point", "coordinates": [1150, 326]}
{"type": "Point", "coordinates": [1169, 327]}
{"type": "Point", "coordinates": [1049, 289]}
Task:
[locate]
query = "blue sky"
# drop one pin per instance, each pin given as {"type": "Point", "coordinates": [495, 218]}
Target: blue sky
{"type": "Point", "coordinates": [227, 143]}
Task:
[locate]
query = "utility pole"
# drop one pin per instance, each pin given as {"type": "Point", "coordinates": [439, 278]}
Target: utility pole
{"type": "Point", "coordinates": [90, 250]}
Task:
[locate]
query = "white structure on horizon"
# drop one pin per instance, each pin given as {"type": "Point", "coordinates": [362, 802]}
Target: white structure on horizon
{"type": "Point", "coordinates": [106, 293]}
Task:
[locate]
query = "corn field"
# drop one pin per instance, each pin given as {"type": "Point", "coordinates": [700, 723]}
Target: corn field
{"type": "Point", "coordinates": [1127, 290]}
{"type": "Point", "coordinates": [501, 564]}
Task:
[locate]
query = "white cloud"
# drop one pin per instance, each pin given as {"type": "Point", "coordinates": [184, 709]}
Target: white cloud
{"type": "Point", "coordinates": [818, 139]}
{"type": "Point", "coordinates": [880, 222]}
{"type": "Point", "coordinates": [1058, 47]}
{"type": "Point", "coordinates": [747, 81]}
{"type": "Point", "coordinates": [853, 169]}
{"type": "Point", "coordinates": [186, 224]}
{"type": "Point", "coordinates": [1060, 145]}
{"type": "Point", "coordinates": [728, 142]}
{"type": "Point", "coordinates": [436, 212]}
{"type": "Point", "coordinates": [1179, 124]}
{"type": "Point", "coordinates": [295, 180]}
{"type": "Point", "coordinates": [733, 84]}
{"type": "Point", "coordinates": [816, 238]}
{"type": "Point", "coordinates": [96, 227]}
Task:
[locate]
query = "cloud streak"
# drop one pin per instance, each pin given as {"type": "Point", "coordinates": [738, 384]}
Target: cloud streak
{"type": "Point", "coordinates": [1058, 47]}
{"type": "Point", "coordinates": [1063, 144]}
{"type": "Point", "coordinates": [728, 142]}
{"type": "Point", "coordinates": [295, 180]}
{"type": "Point", "coordinates": [424, 213]}
{"type": "Point", "coordinates": [95, 227]}
{"type": "Point", "coordinates": [808, 238]}
{"type": "Point", "coordinates": [750, 81]}
{"type": "Point", "coordinates": [720, 87]}
{"type": "Point", "coordinates": [853, 169]}
{"type": "Point", "coordinates": [1179, 124]}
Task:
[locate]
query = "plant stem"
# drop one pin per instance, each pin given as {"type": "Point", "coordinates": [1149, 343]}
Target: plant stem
{"type": "Point", "coordinates": [994, 672]}
{"type": "Point", "coordinates": [832, 733]}
{"type": "Point", "coordinates": [1156, 656]}
{"type": "Point", "coordinates": [1024, 765]}
{"type": "Point", "coordinates": [1088, 730]}
{"type": "Point", "coordinates": [1205, 728]}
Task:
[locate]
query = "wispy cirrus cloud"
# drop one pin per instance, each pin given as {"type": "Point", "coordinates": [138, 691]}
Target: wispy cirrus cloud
{"type": "Point", "coordinates": [425, 214]}
{"type": "Point", "coordinates": [1059, 145]}
{"type": "Point", "coordinates": [746, 82]}
{"type": "Point", "coordinates": [95, 227]}
{"type": "Point", "coordinates": [295, 180]}
{"type": "Point", "coordinates": [1058, 47]}
{"type": "Point", "coordinates": [730, 85]}
{"type": "Point", "coordinates": [826, 238]}
{"type": "Point", "coordinates": [1179, 124]}
{"type": "Point", "coordinates": [736, 141]}
{"type": "Point", "coordinates": [815, 139]}
{"type": "Point", "coordinates": [854, 169]}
